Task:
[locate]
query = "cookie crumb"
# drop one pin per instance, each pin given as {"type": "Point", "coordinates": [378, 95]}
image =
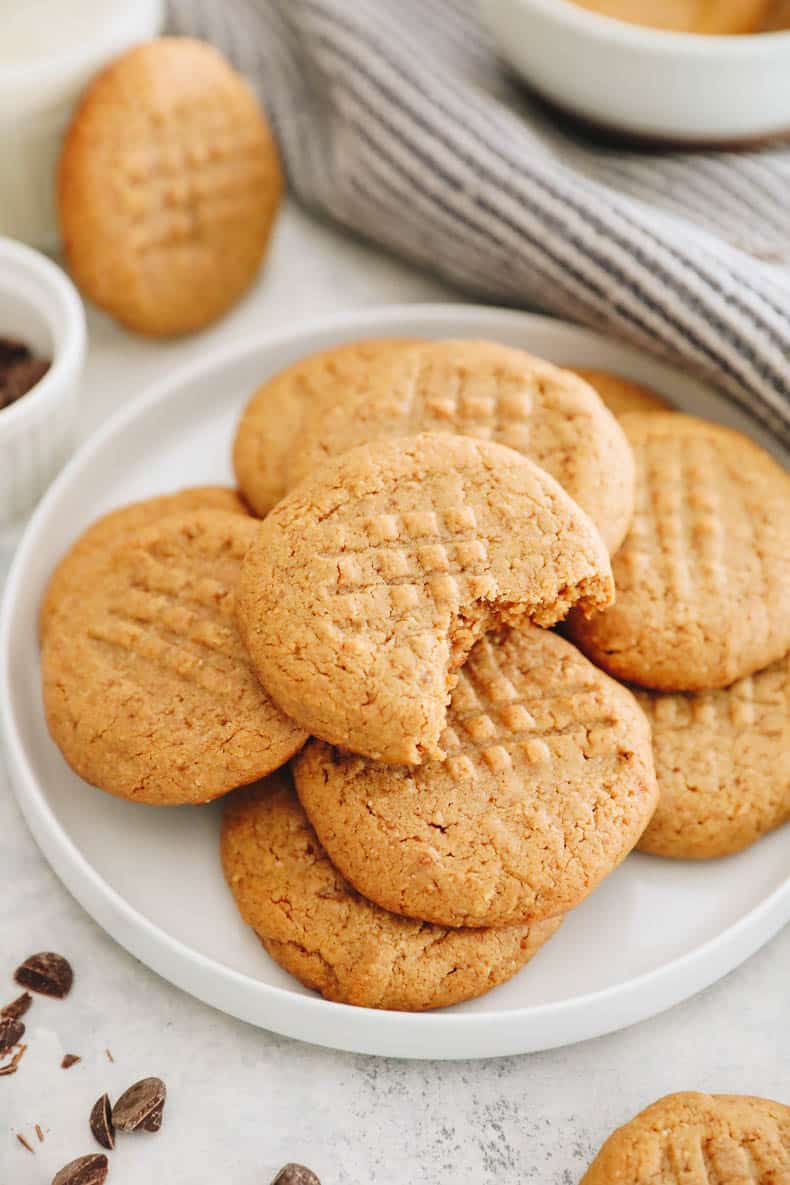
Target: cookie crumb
{"type": "Point", "coordinates": [69, 1060]}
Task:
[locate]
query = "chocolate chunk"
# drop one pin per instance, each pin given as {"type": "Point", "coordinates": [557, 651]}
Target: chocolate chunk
{"type": "Point", "coordinates": [17, 1007]}
{"type": "Point", "coordinates": [47, 973]}
{"type": "Point", "coordinates": [11, 1033]}
{"type": "Point", "coordinates": [85, 1170]}
{"type": "Point", "coordinates": [102, 1125]}
{"type": "Point", "coordinates": [69, 1060]}
{"type": "Point", "coordinates": [295, 1174]}
{"type": "Point", "coordinates": [138, 1106]}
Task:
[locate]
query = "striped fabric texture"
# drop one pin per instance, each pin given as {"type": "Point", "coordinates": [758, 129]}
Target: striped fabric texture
{"type": "Point", "coordinates": [398, 120]}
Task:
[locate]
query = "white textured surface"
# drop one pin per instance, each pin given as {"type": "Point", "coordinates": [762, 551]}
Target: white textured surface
{"type": "Point", "coordinates": [241, 1101]}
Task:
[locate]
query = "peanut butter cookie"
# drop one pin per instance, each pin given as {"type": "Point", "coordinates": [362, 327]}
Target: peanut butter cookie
{"type": "Point", "coordinates": [488, 391]}
{"type": "Point", "coordinates": [698, 1139]}
{"type": "Point", "coordinates": [168, 185]}
{"type": "Point", "coordinates": [703, 578]}
{"type": "Point", "coordinates": [315, 926]}
{"type": "Point", "coordinates": [73, 573]}
{"type": "Point", "coordinates": [620, 394]}
{"type": "Point", "coordinates": [547, 785]}
{"type": "Point", "coordinates": [148, 691]}
{"type": "Point", "coordinates": [722, 763]}
{"type": "Point", "coordinates": [367, 585]}
{"type": "Point", "coordinates": [263, 450]}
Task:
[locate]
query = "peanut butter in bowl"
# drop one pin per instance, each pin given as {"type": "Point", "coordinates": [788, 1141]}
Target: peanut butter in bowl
{"type": "Point", "coordinates": [709, 17]}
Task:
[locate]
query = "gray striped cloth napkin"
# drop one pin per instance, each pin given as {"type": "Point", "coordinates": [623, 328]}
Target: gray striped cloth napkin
{"type": "Point", "coordinates": [398, 120]}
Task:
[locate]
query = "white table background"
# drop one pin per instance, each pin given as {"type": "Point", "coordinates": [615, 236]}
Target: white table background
{"type": "Point", "coordinates": [243, 1101]}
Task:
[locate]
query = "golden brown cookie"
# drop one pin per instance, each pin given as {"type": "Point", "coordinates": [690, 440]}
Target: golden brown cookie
{"type": "Point", "coordinates": [367, 585]}
{"type": "Point", "coordinates": [723, 765]}
{"type": "Point", "coordinates": [698, 1139]}
{"type": "Point", "coordinates": [547, 785]}
{"type": "Point", "coordinates": [315, 926]}
{"type": "Point", "coordinates": [489, 391]}
{"type": "Point", "coordinates": [263, 450]}
{"type": "Point", "coordinates": [148, 690]}
{"type": "Point", "coordinates": [73, 572]}
{"type": "Point", "coordinates": [620, 394]}
{"type": "Point", "coordinates": [703, 579]}
{"type": "Point", "coordinates": [168, 185]}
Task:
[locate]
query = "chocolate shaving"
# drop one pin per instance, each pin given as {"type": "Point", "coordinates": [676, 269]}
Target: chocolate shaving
{"type": "Point", "coordinates": [11, 1067]}
{"type": "Point", "coordinates": [47, 973]}
{"type": "Point", "coordinates": [25, 1144]}
{"type": "Point", "coordinates": [110, 1057]}
{"type": "Point", "coordinates": [40, 1134]}
{"type": "Point", "coordinates": [101, 1123]}
{"type": "Point", "coordinates": [69, 1060]}
{"type": "Point", "coordinates": [18, 1007]}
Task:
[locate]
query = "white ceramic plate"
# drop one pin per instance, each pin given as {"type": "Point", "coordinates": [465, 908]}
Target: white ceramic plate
{"type": "Point", "coordinates": [654, 933]}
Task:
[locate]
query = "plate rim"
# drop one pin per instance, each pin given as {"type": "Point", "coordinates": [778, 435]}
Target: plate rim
{"type": "Point", "coordinates": [378, 1032]}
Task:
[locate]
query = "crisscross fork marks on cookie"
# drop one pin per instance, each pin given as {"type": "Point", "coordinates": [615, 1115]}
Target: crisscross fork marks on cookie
{"type": "Point", "coordinates": [166, 584]}
{"type": "Point", "coordinates": [183, 180]}
{"type": "Point", "coordinates": [414, 551]}
{"type": "Point", "coordinates": [490, 403]}
{"type": "Point", "coordinates": [695, 1157]}
{"type": "Point", "coordinates": [758, 704]}
{"type": "Point", "coordinates": [183, 657]}
{"type": "Point", "coordinates": [490, 721]}
{"type": "Point", "coordinates": [677, 535]}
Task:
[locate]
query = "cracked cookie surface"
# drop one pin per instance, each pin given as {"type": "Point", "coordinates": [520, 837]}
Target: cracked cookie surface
{"type": "Point", "coordinates": [703, 578]}
{"type": "Point", "coordinates": [722, 763]}
{"type": "Point", "coordinates": [148, 691]}
{"type": "Point", "coordinates": [263, 449]}
{"type": "Point", "coordinates": [73, 571]}
{"type": "Point", "coordinates": [698, 1139]}
{"type": "Point", "coordinates": [313, 923]}
{"type": "Point", "coordinates": [367, 586]}
{"type": "Point", "coordinates": [490, 392]}
{"type": "Point", "coordinates": [547, 785]}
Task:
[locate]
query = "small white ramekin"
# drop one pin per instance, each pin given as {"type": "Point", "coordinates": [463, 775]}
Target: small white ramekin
{"type": "Point", "coordinates": [39, 305]}
{"type": "Point", "coordinates": [647, 83]}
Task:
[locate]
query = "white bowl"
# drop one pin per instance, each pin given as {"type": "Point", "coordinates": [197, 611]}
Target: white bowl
{"type": "Point", "coordinates": [40, 306]}
{"type": "Point", "coordinates": [647, 83]}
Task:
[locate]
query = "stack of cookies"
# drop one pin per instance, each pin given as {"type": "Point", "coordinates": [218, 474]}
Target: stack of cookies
{"type": "Point", "coordinates": [461, 775]}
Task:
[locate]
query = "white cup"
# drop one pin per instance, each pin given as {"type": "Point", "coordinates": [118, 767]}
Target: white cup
{"type": "Point", "coordinates": [49, 51]}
